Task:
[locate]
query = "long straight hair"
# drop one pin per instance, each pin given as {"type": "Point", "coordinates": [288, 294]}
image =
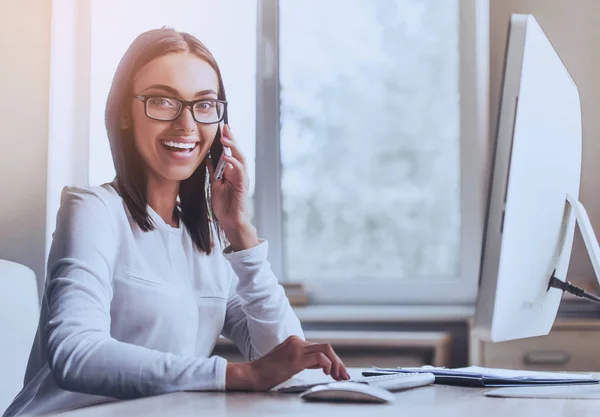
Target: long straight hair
{"type": "Point", "coordinates": [194, 192]}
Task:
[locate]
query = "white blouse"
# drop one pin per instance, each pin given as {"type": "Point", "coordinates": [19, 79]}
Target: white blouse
{"type": "Point", "coordinates": [128, 313]}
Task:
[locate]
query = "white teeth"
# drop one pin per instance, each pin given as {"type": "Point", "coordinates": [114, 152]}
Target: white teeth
{"type": "Point", "coordinates": [179, 144]}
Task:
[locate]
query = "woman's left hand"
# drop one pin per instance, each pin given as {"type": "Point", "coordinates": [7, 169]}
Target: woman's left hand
{"type": "Point", "coordinates": [231, 194]}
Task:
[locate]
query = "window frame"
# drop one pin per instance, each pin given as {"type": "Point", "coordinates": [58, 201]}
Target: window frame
{"type": "Point", "coordinates": [69, 103]}
{"type": "Point", "coordinates": [474, 151]}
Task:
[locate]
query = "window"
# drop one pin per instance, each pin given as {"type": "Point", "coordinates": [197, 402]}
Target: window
{"type": "Point", "coordinates": [370, 138]}
{"type": "Point", "coordinates": [227, 28]}
{"type": "Point", "coordinates": [378, 127]}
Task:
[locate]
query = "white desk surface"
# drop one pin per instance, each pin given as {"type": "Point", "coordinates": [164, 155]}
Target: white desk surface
{"type": "Point", "coordinates": [433, 400]}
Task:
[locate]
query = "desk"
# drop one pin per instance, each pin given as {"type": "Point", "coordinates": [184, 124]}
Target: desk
{"type": "Point", "coordinates": [433, 400]}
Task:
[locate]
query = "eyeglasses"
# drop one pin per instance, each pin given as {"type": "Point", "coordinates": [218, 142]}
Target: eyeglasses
{"type": "Point", "coordinates": [206, 111]}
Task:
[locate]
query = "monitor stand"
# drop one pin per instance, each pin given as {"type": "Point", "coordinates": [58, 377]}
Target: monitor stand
{"type": "Point", "coordinates": [573, 205]}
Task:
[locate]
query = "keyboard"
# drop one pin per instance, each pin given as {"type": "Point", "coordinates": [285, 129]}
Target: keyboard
{"type": "Point", "coordinates": [392, 382]}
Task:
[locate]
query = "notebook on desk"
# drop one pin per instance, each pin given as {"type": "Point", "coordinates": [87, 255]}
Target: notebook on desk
{"type": "Point", "coordinates": [475, 376]}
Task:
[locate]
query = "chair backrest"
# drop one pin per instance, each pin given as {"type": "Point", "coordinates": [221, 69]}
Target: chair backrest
{"type": "Point", "coordinates": [19, 315]}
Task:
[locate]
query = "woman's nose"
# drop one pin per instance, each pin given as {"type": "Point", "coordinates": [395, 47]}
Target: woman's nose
{"type": "Point", "coordinates": [185, 121]}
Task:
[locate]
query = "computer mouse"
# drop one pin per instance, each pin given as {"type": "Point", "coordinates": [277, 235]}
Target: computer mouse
{"type": "Point", "coordinates": [348, 392]}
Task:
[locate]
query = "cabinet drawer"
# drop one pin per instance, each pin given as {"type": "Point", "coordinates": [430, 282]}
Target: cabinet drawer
{"type": "Point", "coordinates": [561, 350]}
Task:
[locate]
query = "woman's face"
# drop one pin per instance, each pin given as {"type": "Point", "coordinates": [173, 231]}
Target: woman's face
{"type": "Point", "coordinates": [183, 76]}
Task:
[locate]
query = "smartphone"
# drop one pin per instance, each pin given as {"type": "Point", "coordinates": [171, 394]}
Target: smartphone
{"type": "Point", "coordinates": [217, 151]}
{"type": "Point", "coordinates": [222, 163]}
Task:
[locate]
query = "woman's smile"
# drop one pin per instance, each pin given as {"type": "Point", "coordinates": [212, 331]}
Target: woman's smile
{"type": "Point", "coordinates": [180, 149]}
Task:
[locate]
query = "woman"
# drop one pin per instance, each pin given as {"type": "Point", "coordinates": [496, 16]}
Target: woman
{"type": "Point", "coordinates": [139, 286]}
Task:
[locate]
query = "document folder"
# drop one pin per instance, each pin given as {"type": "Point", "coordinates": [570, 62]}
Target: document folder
{"type": "Point", "coordinates": [475, 376]}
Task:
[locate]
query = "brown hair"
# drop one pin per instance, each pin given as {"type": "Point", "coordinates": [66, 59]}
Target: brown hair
{"type": "Point", "coordinates": [194, 205]}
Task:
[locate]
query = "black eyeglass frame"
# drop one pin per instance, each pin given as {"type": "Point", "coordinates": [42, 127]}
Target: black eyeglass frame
{"type": "Point", "coordinates": [184, 103]}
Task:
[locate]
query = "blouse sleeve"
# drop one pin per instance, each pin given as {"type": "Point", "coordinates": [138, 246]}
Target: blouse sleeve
{"type": "Point", "coordinates": [259, 315]}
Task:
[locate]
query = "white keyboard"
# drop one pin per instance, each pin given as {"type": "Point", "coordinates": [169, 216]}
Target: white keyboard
{"type": "Point", "coordinates": [392, 382]}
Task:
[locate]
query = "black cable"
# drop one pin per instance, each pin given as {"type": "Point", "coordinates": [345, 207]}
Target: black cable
{"type": "Point", "coordinates": [566, 286]}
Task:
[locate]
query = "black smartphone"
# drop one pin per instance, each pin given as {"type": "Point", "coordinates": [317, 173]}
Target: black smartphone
{"type": "Point", "coordinates": [217, 150]}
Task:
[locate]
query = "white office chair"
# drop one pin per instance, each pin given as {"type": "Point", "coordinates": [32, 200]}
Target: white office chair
{"type": "Point", "coordinates": [19, 314]}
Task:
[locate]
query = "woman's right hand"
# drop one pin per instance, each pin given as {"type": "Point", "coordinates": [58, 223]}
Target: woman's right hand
{"type": "Point", "coordinates": [284, 361]}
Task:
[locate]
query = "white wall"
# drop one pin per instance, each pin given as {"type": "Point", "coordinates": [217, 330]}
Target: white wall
{"type": "Point", "coordinates": [572, 28]}
{"type": "Point", "coordinates": [24, 78]}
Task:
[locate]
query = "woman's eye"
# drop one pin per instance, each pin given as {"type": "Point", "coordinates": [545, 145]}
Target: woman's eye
{"type": "Point", "coordinates": [164, 102]}
{"type": "Point", "coordinates": [205, 105]}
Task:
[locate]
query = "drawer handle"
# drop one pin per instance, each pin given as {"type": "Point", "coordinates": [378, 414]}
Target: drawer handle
{"type": "Point", "coordinates": [547, 358]}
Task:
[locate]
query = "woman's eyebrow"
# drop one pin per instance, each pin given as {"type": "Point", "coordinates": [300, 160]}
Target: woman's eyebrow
{"type": "Point", "coordinates": [164, 87]}
{"type": "Point", "coordinates": [174, 91]}
{"type": "Point", "coordinates": [205, 93]}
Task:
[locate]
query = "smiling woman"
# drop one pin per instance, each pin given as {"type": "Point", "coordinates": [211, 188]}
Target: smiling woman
{"type": "Point", "coordinates": [140, 285]}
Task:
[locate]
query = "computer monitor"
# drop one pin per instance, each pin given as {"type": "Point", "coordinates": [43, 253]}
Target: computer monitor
{"type": "Point", "coordinates": [533, 202]}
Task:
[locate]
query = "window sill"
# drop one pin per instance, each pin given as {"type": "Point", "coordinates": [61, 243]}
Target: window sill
{"type": "Point", "coordinates": [383, 314]}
